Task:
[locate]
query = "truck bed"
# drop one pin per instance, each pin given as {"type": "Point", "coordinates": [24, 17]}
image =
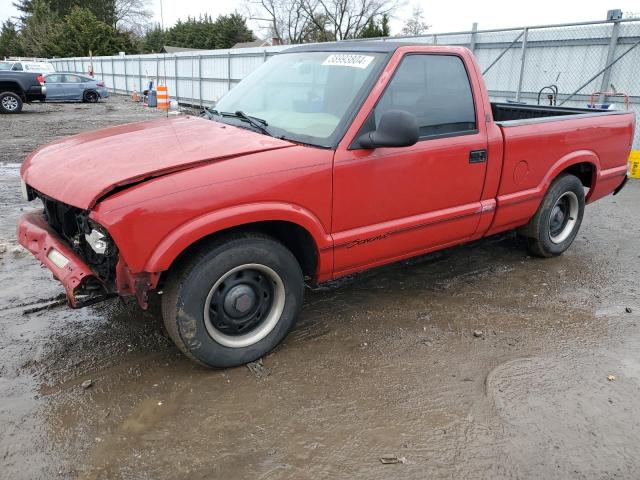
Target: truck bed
{"type": "Point", "coordinates": [539, 143]}
{"type": "Point", "coordinates": [510, 112]}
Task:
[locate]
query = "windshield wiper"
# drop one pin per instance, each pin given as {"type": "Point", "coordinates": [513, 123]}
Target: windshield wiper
{"type": "Point", "coordinates": [255, 122]}
{"type": "Point", "coordinates": [208, 113]}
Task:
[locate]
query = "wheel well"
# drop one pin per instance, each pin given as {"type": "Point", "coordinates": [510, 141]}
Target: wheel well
{"type": "Point", "coordinates": [11, 87]}
{"type": "Point", "coordinates": [298, 240]}
{"type": "Point", "coordinates": [585, 172]}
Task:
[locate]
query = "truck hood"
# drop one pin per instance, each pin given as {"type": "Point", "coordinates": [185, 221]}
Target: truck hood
{"type": "Point", "coordinates": [81, 169]}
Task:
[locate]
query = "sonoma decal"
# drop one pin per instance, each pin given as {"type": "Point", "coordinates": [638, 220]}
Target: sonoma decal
{"type": "Point", "coordinates": [364, 241]}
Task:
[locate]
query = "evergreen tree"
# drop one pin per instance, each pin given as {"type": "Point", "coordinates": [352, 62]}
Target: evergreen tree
{"type": "Point", "coordinates": [10, 44]}
{"type": "Point", "coordinates": [373, 29]}
{"type": "Point", "coordinates": [81, 32]}
{"type": "Point", "coordinates": [384, 26]}
{"type": "Point", "coordinates": [74, 27]}
{"type": "Point", "coordinates": [37, 29]}
{"type": "Point", "coordinates": [231, 29]}
{"type": "Point", "coordinates": [25, 7]}
{"type": "Point", "coordinates": [131, 13]}
{"type": "Point", "coordinates": [193, 33]}
{"type": "Point", "coordinates": [205, 33]}
{"type": "Point", "coordinates": [154, 40]}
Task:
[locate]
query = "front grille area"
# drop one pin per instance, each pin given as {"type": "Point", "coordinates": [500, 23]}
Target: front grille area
{"type": "Point", "coordinates": [63, 218]}
{"type": "Point", "coordinates": [72, 223]}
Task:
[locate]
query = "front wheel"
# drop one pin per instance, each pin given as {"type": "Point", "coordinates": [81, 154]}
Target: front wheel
{"type": "Point", "coordinates": [233, 301]}
{"type": "Point", "coordinates": [555, 225]}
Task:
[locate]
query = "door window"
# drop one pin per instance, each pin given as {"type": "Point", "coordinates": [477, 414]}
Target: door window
{"type": "Point", "coordinates": [436, 90]}
{"type": "Point", "coordinates": [72, 79]}
{"type": "Point", "coordinates": [54, 78]}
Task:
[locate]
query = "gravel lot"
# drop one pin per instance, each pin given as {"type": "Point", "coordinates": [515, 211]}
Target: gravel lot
{"type": "Point", "coordinates": [477, 362]}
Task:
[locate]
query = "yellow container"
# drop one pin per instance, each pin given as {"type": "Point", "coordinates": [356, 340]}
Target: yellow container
{"type": "Point", "coordinates": [634, 164]}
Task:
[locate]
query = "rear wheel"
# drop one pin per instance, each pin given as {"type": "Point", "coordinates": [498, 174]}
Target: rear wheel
{"type": "Point", "coordinates": [10, 102]}
{"type": "Point", "coordinates": [91, 97]}
{"type": "Point", "coordinates": [556, 223]}
{"type": "Point", "coordinates": [233, 301]}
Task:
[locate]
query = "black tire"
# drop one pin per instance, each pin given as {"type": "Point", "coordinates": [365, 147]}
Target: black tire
{"type": "Point", "coordinates": [555, 225]}
{"type": "Point", "coordinates": [90, 96]}
{"type": "Point", "coordinates": [221, 274]}
{"type": "Point", "coordinates": [10, 102]}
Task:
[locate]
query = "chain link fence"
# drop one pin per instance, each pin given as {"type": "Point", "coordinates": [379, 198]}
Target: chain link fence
{"type": "Point", "coordinates": [567, 64]}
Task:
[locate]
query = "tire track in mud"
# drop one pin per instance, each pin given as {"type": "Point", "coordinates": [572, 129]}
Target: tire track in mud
{"type": "Point", "coordinates": [36, 305]}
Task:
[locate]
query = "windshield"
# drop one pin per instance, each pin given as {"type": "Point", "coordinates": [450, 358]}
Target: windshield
{"type": "Point", "coordinates": [303, 96]}
{"type": "Point", "coordinates": [5, 65]}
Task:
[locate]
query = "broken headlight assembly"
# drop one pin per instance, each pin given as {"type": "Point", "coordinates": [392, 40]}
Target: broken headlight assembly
{"type": "Point", "coordinates": [98, 241]}
{"type": "Point", "coordinates": [96, 248]}
{"type": "Point", "coordinates": [97, 238]}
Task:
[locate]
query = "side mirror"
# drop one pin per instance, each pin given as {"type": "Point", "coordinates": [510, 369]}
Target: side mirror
{"type": "Point", "coordinates": [397, 128]}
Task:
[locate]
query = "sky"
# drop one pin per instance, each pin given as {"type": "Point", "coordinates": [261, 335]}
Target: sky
{"type": "Point", "coordinates": [452, 15]}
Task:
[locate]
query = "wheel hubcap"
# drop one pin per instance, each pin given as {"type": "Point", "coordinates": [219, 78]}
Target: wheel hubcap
{"type": "Point", "coordinates": [244, 305]}
{"type": "Point", "coordinates": [563, 217]}
{"type": "Point", "coordinates": [9, 103]}
{"type": "Point", "coordinates": [239, 300]}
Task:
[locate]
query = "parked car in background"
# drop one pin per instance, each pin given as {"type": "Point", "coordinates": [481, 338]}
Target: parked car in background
{"type": "Point", "coordinates": [17, 88]}
{"type": "Point", "coordinates": [72, 86]}
{"type": "Point", "coordinates": [26, 66]}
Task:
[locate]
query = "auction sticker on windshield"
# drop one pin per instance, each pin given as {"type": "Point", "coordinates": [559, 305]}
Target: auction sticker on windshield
{"type": "Point", "coordinates": [348, 60]}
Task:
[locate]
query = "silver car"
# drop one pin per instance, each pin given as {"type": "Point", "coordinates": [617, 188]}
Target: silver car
{"type": "Point", "coordinates": [62, 86]}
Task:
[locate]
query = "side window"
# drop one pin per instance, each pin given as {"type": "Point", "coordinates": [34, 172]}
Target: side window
{"type": "Point", "coordinates": [53, 78]}
{"type": "Point", "coordinates": [72, 79]}
{"type": "Point", "coordinates": [434, 88]}
{"type": "Point", "coordinates": [17, 67]}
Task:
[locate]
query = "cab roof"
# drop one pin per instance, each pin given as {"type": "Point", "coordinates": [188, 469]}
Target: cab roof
{"type": "Point", "coordinates": [355, 46]}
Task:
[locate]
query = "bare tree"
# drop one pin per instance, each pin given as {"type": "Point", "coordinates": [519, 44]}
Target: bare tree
{"type": "Point", "coordinates": [285, 19]}
{"type": "Point", "coordinates": [132, 15]}
{"type": "Point", "coordinates": [349, 17]}
{"type": "Point", "coordinates": [297, 21]}
{"type": "Point", "coordinates": [415, 25]}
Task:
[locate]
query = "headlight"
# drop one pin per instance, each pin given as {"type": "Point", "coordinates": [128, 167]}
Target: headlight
{"type": "Point", "coordinates": [98, 241]}
{"type": "Point", "coordinates": [25, 191]}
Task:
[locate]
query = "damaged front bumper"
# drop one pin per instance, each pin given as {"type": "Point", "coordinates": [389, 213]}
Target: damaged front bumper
{"type": "Point", "coordinates": [82, 285]}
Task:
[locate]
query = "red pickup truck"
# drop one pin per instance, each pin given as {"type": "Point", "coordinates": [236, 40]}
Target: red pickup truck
{"type": "Point", "coordinates": [327, 160]}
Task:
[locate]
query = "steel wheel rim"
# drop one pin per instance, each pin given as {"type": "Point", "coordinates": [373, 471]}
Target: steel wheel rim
{"type": "Point", "coordinates": [92, 97]}
{"type": "Point", "coordinates": [563, 217]}
{"type": "Point", "coordinates": [9, 103]}
{"type": "Point", "coordinates": [230, 288]}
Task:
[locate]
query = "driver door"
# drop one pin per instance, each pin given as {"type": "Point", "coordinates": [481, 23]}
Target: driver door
{"type": "Point", "coordinates": [393, 203]}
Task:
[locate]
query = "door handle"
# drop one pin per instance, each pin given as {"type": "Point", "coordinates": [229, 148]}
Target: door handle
{"type": "Point", "coordinates": [477, 156]}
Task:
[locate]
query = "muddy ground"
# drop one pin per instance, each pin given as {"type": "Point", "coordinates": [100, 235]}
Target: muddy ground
{"type": "Point", "coordinates": [478, 362]}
